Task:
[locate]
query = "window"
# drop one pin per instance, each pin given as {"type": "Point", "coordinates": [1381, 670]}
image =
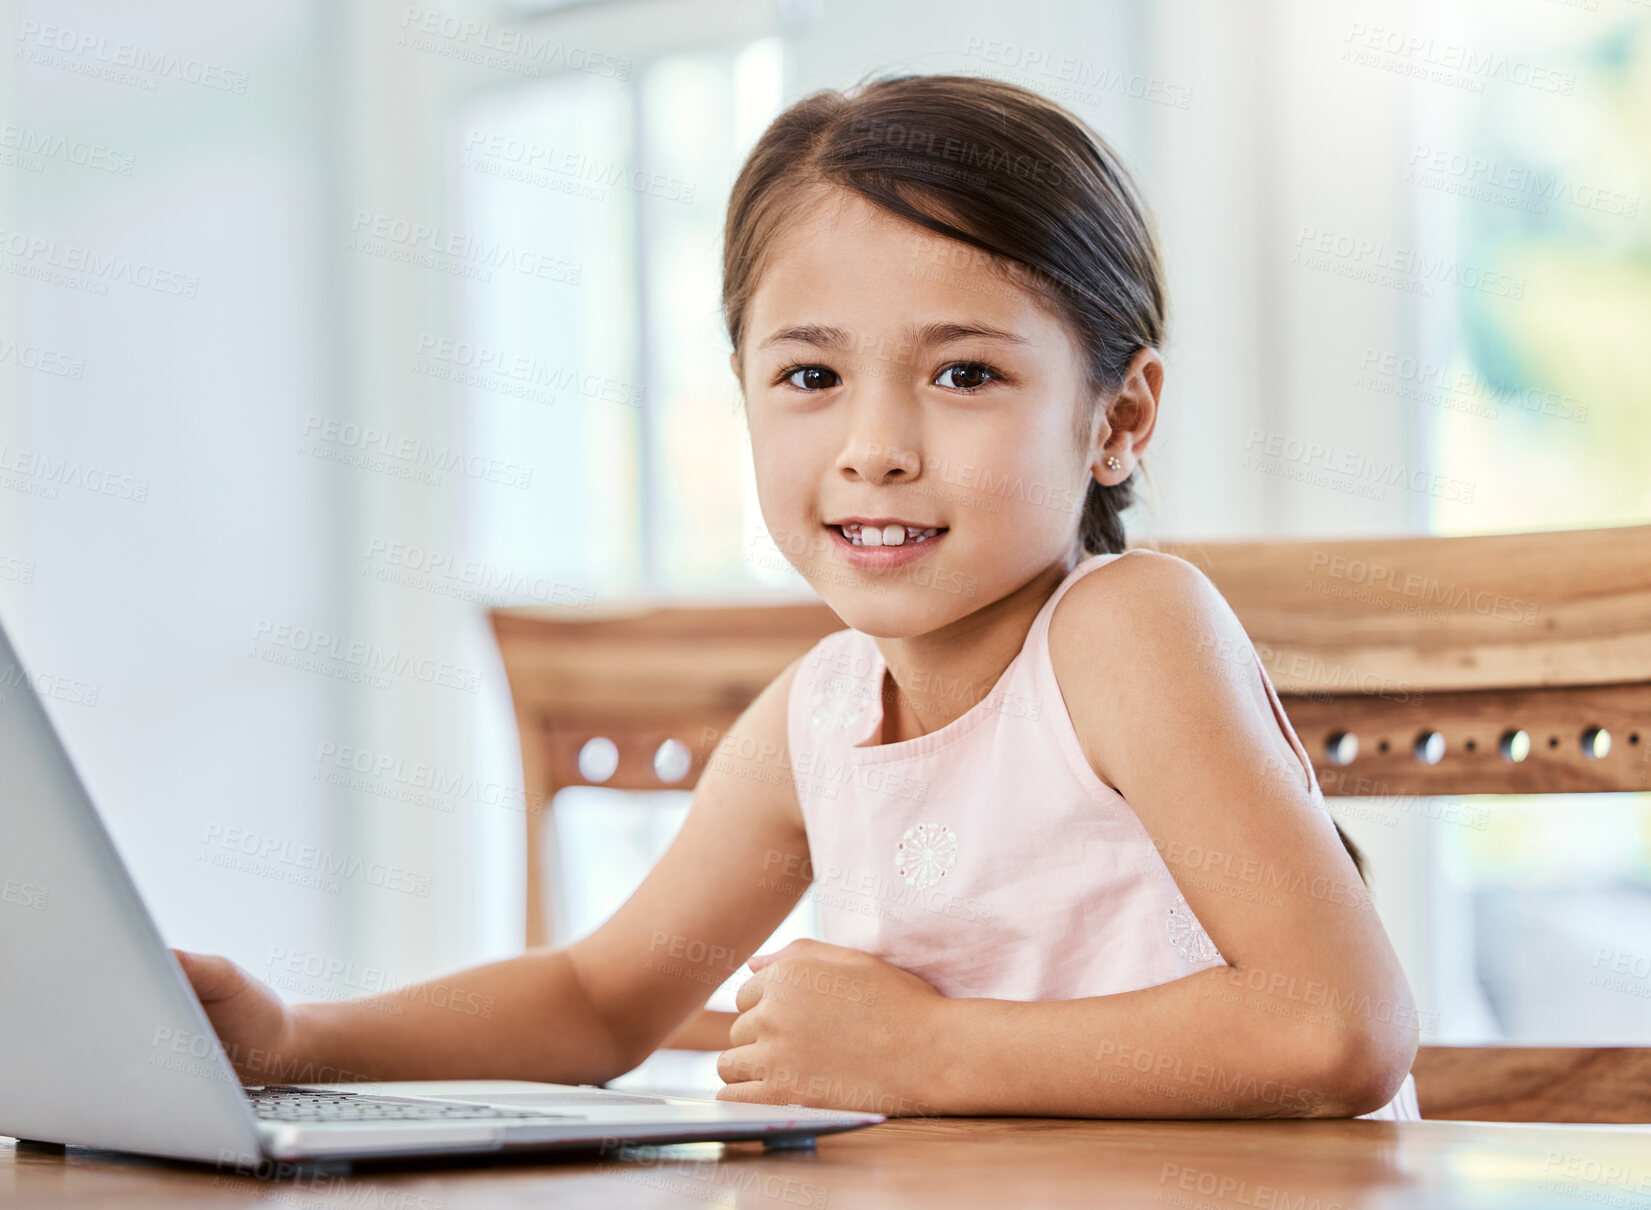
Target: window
{"type": "Point", "coordinates": [610, 374]}
{"type": "Point", "coordinates": [1534, 382]}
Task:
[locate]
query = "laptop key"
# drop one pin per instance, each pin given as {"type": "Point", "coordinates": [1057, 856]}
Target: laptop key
{"type": "Point", "coordinates": [277, 1103]}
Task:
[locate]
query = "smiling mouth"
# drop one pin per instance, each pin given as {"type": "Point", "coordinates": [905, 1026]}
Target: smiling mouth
{"type": "Point", "coordinates": [857, 534]}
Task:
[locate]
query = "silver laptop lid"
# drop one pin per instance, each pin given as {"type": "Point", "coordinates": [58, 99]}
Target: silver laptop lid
{"type": "Point", "coordinates": [102, 1041]}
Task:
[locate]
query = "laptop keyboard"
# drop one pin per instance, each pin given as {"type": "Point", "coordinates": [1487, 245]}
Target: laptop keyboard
{"type": "Point", "coordinates": [277, 1103]}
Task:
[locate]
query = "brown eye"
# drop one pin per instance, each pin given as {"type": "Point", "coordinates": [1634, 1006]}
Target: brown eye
{"type": "Point", "coordinates": [967, 375]}
{"type": "Point", "coordinates": [814, 378]}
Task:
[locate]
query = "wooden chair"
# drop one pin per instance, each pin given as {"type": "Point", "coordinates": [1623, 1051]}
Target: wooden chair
{"type": "Point", "coordinates": [1498, 664]}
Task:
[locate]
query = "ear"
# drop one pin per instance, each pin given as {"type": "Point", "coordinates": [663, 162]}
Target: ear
{"type": "Point", "coordinates": [1130, 419]}
{"type": "Point", "coordinates": [734, 362]}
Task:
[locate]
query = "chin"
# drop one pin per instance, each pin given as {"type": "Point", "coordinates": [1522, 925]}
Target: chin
{"type": "Point", "coordinates": [903, 611]}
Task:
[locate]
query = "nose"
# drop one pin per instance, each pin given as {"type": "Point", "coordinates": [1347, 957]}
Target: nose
{"type": "Point", "coordinates": [882, 441]}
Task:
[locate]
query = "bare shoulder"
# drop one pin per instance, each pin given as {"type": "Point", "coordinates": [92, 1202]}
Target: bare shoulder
{"type": "Point", "coordinates": [1148, 636]}
{"type": "Point", "coordinates": [1140, 576]}
{"type": "Point", "coordinates": [1145, 604]}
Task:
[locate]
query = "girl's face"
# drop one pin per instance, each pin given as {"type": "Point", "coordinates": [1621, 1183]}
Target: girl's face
{"type": "Point", "coordinates": [890, 372]}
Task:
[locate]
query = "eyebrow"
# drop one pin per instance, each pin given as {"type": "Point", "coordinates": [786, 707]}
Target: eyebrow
{"type": "Point", "coordinates": [939, 332]}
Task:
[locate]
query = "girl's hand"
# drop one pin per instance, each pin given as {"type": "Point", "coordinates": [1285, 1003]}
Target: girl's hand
{"type": "Point", "coordinates": [832, 1027]}
{"type": "Point", "coordinates": [253, 1023]}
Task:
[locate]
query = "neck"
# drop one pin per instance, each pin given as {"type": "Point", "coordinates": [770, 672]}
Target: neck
{"type": "Point", "coordinates": [936, 677]}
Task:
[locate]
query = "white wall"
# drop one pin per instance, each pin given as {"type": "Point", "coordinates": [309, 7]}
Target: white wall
{"type": "Point", "coordinates": [257, 530]}
{"type": "Point", "coordinates": [196, 391]}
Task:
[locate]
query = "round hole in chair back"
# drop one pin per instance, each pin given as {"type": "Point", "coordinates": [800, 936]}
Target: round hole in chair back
{"type": "Point", "coordinates": [1341, 747]}
{"type": "Point", "coordinates": [1430, 747]}
{"type": "Point", "coordinates": [598, 759]}
{"type": "Point", "coordinates": [1596, 742]}
{"type": "Point", "coordinates": [672, 760]}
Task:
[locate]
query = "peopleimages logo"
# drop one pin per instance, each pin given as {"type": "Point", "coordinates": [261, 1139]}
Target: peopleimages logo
{"type": "Point", "coordinates": [484, 43]}
{"type": "Point", "coordinates": [371, 448]}
{"type": "Point", "coordinates": [471, 364]}
{"type": "Point", "coordinates": [468, 579]}
{"type": "Point", "coordinates": [1315, 462]}
{"type": "Point", "coordinates": [417, 782]}
{"type": "Point", "coordinates": [42, 255]}
{"type": "Point", "coordinates": [368, 657]}
{"type": "Point", "coordinates": [258, 853]}
{"type": "Point", "coordinates": [1445, 62]}
{"type": "Point", "coordinates": [42, 360]}
{"type": "Point", "coordinates": [40, 42]}
{"type": "Point", "coordinates": [328, 978]}
{"type": "Point", "coordinates": [1410, 269]}
{"type": "Point", "coordinates": [421, 243]}
{"type": "Point", "coordinates": [1382, 578]}
{"type": "Point", "coordinates": [24, 894]}
{"type": "Point", "coordinates": [38, 144]}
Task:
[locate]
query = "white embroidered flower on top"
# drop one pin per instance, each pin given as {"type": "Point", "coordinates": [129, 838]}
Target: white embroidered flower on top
{"type": "Point", "coordinates": [925, 853]}
{"type": "Point", "coordinates": [1187, 935]}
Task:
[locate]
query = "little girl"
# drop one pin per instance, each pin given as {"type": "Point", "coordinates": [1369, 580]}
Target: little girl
{"type": "Point", "coordinates": [1070, 857]}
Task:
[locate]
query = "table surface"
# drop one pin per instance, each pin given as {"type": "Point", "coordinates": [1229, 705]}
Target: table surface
{"type": "Point", "coordinates": [953, 1163]}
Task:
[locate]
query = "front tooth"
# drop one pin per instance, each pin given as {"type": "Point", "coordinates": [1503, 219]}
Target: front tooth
{"type": "Point", "coordinates": [894, 535]}
{"type": "Point", "coordinates": [870, 535]}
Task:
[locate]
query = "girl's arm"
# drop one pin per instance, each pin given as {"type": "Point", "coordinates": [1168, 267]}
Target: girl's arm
{"type": "Point", "coordinates": [1313, 1014]}
{"type": "Point", "coordinates": [582, 1013]}
{"type": "Point", "coordinates": [705, 1030]}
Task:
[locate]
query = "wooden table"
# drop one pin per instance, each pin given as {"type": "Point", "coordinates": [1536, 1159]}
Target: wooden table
{"type": "Point", "coordinates": [954, 1163]}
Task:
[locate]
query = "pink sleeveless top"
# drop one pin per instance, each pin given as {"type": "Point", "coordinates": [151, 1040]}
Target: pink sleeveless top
{"type": "Point", "coordinates": [987, 857]}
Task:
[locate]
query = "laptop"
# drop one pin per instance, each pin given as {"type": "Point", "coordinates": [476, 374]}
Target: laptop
{"type": "Point", "coordinates": [104, 1044]}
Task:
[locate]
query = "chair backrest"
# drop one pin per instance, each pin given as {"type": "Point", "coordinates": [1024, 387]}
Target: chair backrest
{"type": "Point", "coordinates": [1494, 664]}
{"type": "Point", "coordinates": [1434, 654]}
{"type": "Point", "coordinates": [659, 682]}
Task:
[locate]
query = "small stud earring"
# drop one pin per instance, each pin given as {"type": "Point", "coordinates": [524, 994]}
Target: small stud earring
{"type": "Point", "coordinates": [1112, 463]}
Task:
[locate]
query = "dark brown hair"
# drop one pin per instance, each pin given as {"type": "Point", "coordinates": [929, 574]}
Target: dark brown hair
{"type": "Point", "coordinates": [999, 168]}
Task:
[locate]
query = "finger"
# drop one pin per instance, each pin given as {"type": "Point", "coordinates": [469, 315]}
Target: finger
{"type": "Point", "coordinates": [213, 977]}
{"type": "Point", "coordinates": [743, 1031]}
{"type": "Point", "coordinates": [738, 1064]}
{"type": "Point", "coordinates": [823, 951]}
{"type": "Point", "coordinates": [749, 994]}
{"type": "Point", "coordinates": [812, 947]}
{"type": "Point", "coordinates": [757, 961]}
{"type": "Point", "coordinates": [753, 1092]}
